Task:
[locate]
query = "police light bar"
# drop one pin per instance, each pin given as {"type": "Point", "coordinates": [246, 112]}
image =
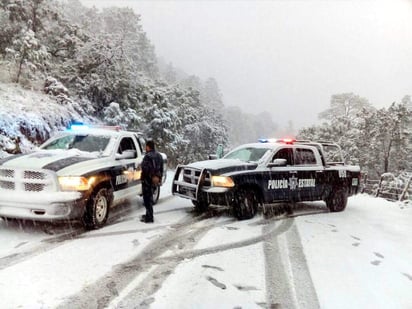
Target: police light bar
{"type": "Point", "coordinates": [287, 140]}
{"type": "Point", "coordinates": [277, 140]}
{"type": "Point", "coordinates": [78, 126]}
{"type": "Point", "coordinates": [268, 140]}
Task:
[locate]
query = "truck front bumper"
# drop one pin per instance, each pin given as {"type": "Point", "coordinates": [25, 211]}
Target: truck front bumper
{"type": "Point", "coordinates": [196, 184]}
{"type": "Point", "coordinates": [48, 206]}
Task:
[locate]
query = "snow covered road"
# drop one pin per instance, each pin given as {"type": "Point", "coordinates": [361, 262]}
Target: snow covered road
{"type": "Point", "coordinates": [360, 258]}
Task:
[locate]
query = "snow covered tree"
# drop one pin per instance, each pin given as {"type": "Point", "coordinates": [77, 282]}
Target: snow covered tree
{"type": "Point", "coordinates": [394, 138]}
{"type": "Point", "coordinates": [340, 126]}
{"type": "Point", "coordinates": [24, 40]}
{"type": "Point", "coordinates": [344, 108]}
{"type": "Point", "coordinates": [169, 74]}
{"type": "Point", "coordinates": [161, 120]}
{"type": "Point", "coordinates": [192, 82]}
{"type": "Point", "coordinates": [27, 54]}
{"type": "Point", "coordinates": [8, 29]}
{"type": "Point", "coordinates": [407, 130]}
{"type": "Point", "coordinates": [211, 95]}
{"type": "Point", "coordinates": [103, 62]}
{"type": "Point", "coordinates": [113, 60]}
{"type": "Point", "coordinates": [377, 140]}
{"type": "Point", "coordinates": [114, 115]}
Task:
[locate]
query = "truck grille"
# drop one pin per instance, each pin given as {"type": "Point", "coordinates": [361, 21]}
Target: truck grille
{"type": "Point", "coordinates": [13, 179]}
{"type": "Point", "coordinates": [191, 175]}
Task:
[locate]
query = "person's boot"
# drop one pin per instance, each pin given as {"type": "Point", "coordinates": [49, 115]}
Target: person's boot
{"type": "Point", "coordinates": [146, 219]}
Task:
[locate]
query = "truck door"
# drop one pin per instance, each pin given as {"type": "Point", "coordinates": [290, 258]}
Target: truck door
{"type": "Point", "coordinates": [309, 182]}
{"type": "Point", "coordinates": [125, 172]}
{"type": "Point", "coordinates": [278, 182]}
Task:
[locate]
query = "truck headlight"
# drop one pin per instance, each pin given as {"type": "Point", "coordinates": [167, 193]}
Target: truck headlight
{"type": "Point", "coordinates": [222, 181]}
{"type": "Point", "coordinates": [75, 183]}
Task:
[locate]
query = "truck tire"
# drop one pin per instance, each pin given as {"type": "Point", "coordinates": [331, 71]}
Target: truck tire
{"type": "Point", "coordinates": [97, 209]}
{"type": "Point", "coordinates": [156, 194]}
{"type": "Point", "coordinates": [337, 200]}
{"type": "Point", "coordinates": [201, 204]}
{"type": "Point", "coordinates": [246, 204]}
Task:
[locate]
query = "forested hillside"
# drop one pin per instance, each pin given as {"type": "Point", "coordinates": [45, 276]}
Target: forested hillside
{"type": "Point", "coordinates": [102, 64]}
{"type": "Point", "coordinates": [379, 140]}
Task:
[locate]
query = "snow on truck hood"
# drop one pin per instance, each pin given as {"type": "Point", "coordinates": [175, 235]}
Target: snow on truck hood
{"type": "Point", "coordinates": [47, 159]}
{"type": "Point", "coordinates": [224, 165]}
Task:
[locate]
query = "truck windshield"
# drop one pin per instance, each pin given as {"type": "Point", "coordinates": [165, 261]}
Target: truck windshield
{"type": "Point", "coordinates": [247, 154]}
{"type": "Point", "coordinates": [89, 143]}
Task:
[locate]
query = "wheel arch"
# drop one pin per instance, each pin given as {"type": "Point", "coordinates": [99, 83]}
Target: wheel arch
{"type": "Point", "coordinates": [253, 186]}
{"type": "Point", "coordinates": [93, 216]}
{"type": "Point", "coordinates": [102, 181]}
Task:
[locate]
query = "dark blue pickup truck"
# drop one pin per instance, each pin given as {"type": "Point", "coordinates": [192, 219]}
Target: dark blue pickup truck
{"type": "Point", "coordinates": [269, 172]}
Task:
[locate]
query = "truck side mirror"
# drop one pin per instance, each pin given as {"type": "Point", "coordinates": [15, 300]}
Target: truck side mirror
{"type": "Point", "coordinates": [278, 162]}
{"type": "Point", "coordinates": [212, 157]}
{"type": "Point", "coordinates": [127, 154]}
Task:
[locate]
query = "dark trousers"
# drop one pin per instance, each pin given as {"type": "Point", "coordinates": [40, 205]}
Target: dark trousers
{"type": "Point", "coordinates": [148, 200]}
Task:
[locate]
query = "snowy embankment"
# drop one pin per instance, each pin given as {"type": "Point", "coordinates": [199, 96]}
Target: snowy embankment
{"type": "Point", "coordinates": [29, 117]}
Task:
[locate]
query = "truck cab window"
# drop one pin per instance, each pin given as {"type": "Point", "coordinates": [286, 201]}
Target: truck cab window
{"type": "Point", "coordinates": [304, 157]}
{"type": "Point", "coordinates": [126, 144]}
{"type": "Point", "coordinates": [284, 153]}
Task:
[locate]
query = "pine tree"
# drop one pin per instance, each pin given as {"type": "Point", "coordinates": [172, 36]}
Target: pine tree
{"type": "Point", "coordinates": [378, 140]}
{"type": "Point", "coordinates": [27, 54]}
{"type": "Point", "coordinates": [344, 107]}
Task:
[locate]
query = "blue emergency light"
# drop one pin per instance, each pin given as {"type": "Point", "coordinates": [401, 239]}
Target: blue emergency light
{"type": "Point", "coordinates": [77, 125]}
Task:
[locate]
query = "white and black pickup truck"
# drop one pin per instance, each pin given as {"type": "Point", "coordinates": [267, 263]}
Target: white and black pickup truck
{"type": "Point", "coordinates": [79, 173]}
{"type": "Point", "coordinates": [269, 172]}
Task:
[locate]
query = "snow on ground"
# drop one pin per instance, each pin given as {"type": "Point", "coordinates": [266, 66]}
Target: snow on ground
{"type": "Point", "coordinates": [360, 258]}
{"type": "Point", "coordinates": [51, 275]}
{"type": "Point", "coordinates": [217, 281]}
{"type": "Point", "coordinates": [225, 281]}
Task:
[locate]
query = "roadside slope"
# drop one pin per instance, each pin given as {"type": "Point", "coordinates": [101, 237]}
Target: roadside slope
{"type": "Point", "coordinates": [30, 117]}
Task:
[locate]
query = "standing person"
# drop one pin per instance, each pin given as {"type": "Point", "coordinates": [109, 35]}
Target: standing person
{"type": "Point", "coordinates": [152, 165]}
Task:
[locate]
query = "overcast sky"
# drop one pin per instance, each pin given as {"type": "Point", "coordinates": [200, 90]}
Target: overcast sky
{"type": "Point", "coordinates": [285, 57]}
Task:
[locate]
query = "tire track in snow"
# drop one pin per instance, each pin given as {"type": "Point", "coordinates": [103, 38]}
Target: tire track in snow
{"type": "Point", "coordinates": [101, 293]}
{"type": "Point", "coordinates": [72, 230]}
{"type": "Point", "coordinates": [133, 284]}
{"type": "Point", "coordinates": [44, 246]}
{"type": "Point", "coordinates": [288, 281]}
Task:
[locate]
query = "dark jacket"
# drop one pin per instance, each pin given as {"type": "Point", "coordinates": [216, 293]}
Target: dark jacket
{"type": "Point", "coordinates": [152, 163]}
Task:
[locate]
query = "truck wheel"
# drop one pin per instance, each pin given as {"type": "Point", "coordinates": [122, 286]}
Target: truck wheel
{"type": "Point", "coordinates": [156, 193]}
{"type": "Point", "coordinates": [246, 204]}
{"type": "Point", "coordinates": [97, 209]}
{"type": "Point", "coordinates": [201, 205]}
{"type": "Point", "coordinates": [337, 200]}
